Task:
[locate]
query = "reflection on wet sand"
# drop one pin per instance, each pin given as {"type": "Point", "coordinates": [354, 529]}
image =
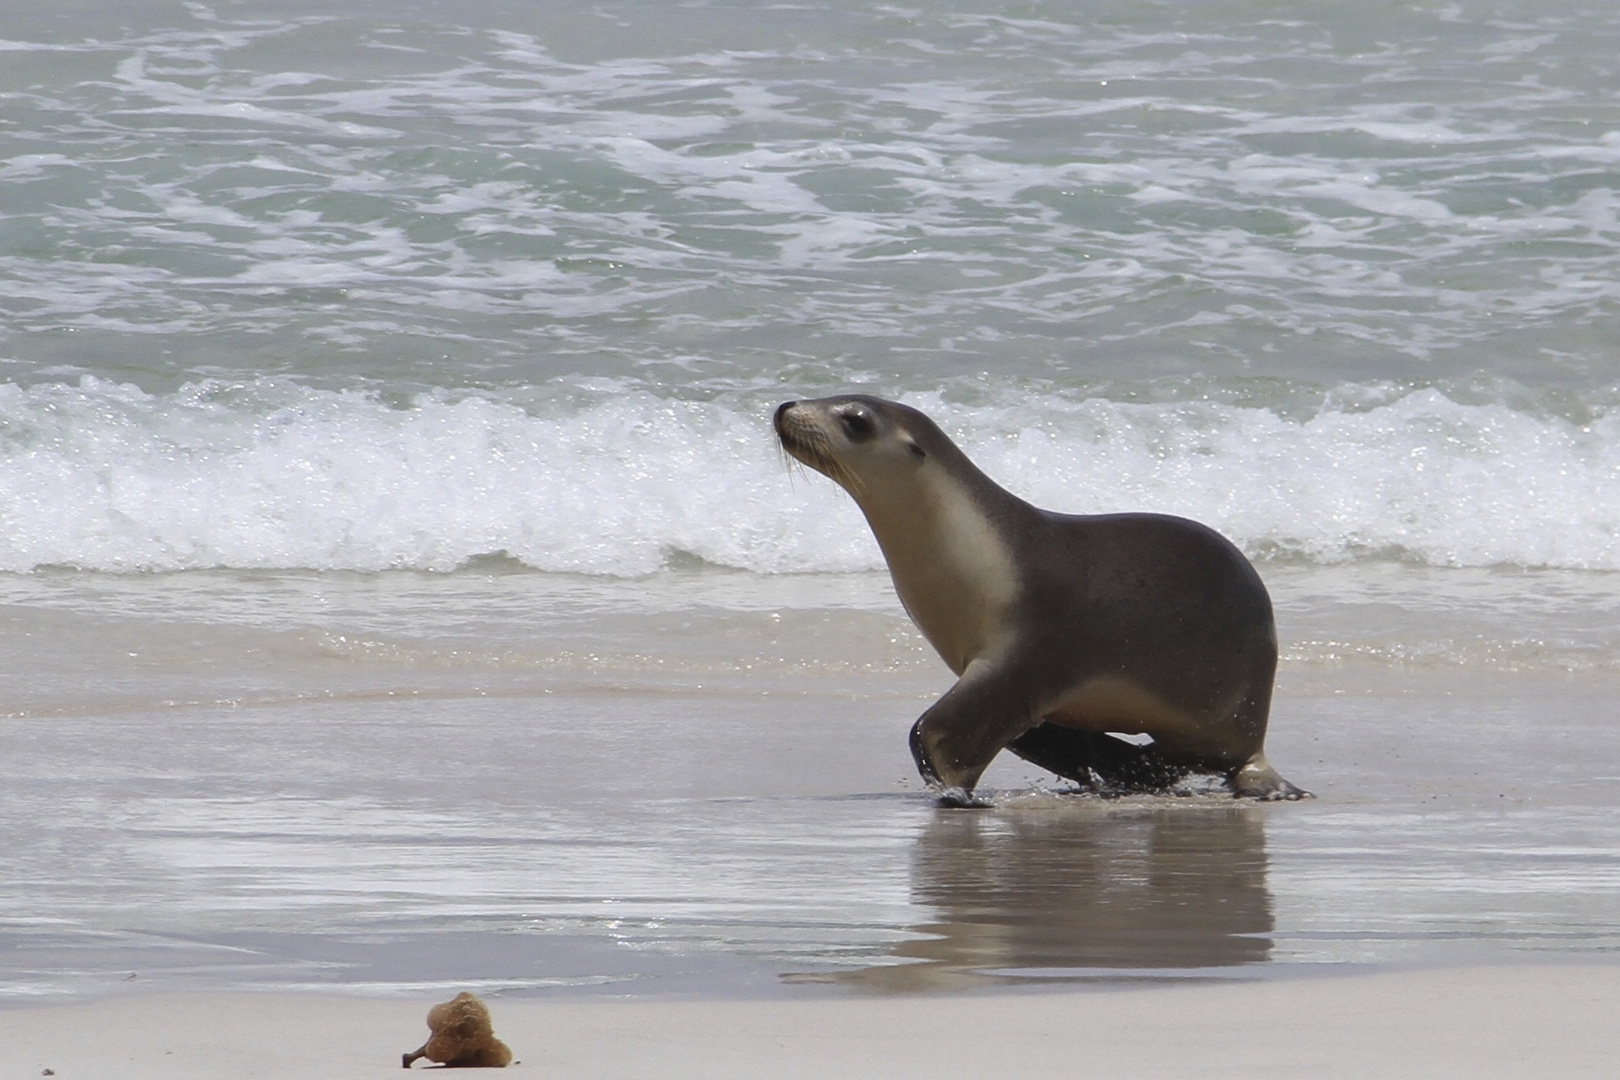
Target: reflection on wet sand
{"type": "Point", "coordinates": [1020, 892]}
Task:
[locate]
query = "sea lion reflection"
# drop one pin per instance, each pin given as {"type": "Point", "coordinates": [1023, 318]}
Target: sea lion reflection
{"type": "Point", "coordinates": [1056, 888]}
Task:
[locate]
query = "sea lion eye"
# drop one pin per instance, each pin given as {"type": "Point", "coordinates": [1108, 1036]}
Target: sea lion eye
{"type": "Point", "coordinates": [858, 425]}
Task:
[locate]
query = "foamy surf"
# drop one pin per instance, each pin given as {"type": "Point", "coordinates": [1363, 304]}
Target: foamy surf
{"type": "Point", "coordinates": [276, 475]}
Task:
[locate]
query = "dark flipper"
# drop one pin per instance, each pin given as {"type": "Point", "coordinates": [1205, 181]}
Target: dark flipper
{"type": "Point", "coordinates": [958, 736]}
{"type": "Point", "coordinates": [1088, 756]}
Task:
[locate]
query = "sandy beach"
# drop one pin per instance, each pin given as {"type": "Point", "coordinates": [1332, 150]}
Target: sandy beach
{"type": "Point", "coordinates": [402, 590]}
{"type": "Point", "coordinates": [1506, 1021]}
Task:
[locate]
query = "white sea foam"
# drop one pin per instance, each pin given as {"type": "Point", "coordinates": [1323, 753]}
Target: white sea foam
{"type": "Point", "coordinates": [268, 474]}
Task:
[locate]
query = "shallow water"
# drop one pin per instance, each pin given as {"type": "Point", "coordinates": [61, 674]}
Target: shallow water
{"type": "Point", "coordinates": [565, 806]}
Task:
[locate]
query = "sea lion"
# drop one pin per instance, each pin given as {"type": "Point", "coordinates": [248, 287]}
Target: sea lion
{"type": "Point", "coordinates": [1060, 628]}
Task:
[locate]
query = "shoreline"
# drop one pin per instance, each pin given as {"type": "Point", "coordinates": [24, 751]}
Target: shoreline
{"type": "Point", "coordinates": [1531, 1019]}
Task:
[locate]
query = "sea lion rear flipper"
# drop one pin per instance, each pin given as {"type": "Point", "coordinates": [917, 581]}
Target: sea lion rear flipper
{"type": "Point", "coordinates": [1256, 779]}
{"type": "Point", "coordinates": [1088, 756]}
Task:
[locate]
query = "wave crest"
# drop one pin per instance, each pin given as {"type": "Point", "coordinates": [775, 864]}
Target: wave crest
{"type": "Point", "coordinates": [276, 475]}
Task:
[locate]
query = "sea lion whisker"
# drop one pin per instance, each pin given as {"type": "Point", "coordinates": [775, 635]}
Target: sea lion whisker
{"type": "Point", "coordinates": [790, 464]}
{"type": "Point", "coordinates": [813, 448]}
{"type": "Point", "coordinates": [820, 446]}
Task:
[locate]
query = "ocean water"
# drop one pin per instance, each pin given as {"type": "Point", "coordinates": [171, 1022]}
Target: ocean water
{"type": "Point", "coordinates": [402, 588]}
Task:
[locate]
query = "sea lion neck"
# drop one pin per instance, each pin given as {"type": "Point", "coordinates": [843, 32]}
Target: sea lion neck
{"type": "Point", "coordinates": [952, 563]}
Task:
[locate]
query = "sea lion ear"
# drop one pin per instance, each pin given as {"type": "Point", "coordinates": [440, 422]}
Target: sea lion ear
{"type": "Point", "coordinates": [918, 452]}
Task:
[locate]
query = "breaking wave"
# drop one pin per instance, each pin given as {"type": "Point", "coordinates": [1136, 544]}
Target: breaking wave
{"type": "Point", "coordinates": [274, 474]}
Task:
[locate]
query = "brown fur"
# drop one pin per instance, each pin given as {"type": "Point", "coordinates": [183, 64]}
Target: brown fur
{"type": "Point", "coordinates": [462, 1037]}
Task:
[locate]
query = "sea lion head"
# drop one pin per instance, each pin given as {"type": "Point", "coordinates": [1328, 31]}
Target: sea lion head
{"type": "Point", "coordinates": [871, 447]}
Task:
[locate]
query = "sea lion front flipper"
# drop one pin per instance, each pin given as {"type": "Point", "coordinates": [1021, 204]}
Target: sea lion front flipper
{"type": "Point", "coordinates": [1089, 756]}
{"type": "Point", "coordinates": [956, 739]}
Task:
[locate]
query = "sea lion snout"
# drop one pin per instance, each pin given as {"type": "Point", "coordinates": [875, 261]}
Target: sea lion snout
{"type": "Point", "coordinates": [794, 424]}
{"type": "Point", "coordinates": [802, 430]}
{"type": "Point", "coordinates": [790, 428]}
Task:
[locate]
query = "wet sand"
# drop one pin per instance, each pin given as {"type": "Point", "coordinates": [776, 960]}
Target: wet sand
{"type": "Point", "coordinates": [705, 825]}
{"type": "Point", "coordinates": [655, 843]}
{"type": "Point", "coordinates": [660, 843]}
{"type": "Point", "coordinates": [1480, 1023]}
